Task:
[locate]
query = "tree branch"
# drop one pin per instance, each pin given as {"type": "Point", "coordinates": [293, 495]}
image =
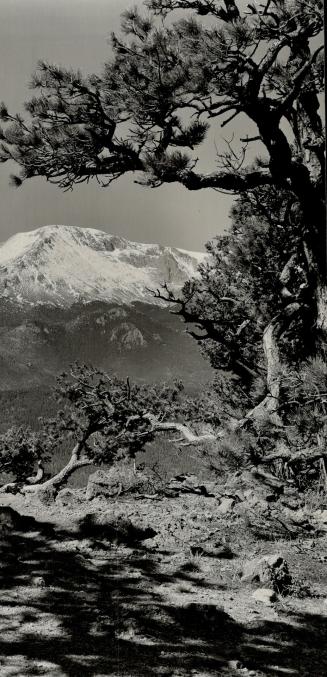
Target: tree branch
{"type": "Point", "coordinates": [57, 480]}
{"type": "Point", "coordinates": [269, 406]}
{"type": "Point", "coordinates": [211, 332]}
{"type": "Point", "coordinates": [235, 183]}
{"type": "Point", "coordinates": [285, 454]}
{"type": "Point", "coordinates": [185, 431]}
{"type": "Point", "coordinates": [289, 99]}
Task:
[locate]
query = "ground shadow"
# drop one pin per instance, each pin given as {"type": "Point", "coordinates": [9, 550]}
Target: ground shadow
{"type": "Point", "coordinates": [77, 607]}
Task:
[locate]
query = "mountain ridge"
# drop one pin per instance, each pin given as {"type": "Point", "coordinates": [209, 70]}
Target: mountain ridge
{"type": "Point", "coordinates": [60, 265]}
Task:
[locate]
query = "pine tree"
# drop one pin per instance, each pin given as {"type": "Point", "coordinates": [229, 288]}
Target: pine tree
{"type": "Point", "coordinates": [105, 417]}
{"type": "Point", "coordinates": [150, 110]}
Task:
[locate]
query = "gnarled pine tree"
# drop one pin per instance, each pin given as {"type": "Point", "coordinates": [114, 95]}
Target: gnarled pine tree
{"type": "Point", "coordinates": [106, 418]}
{"type": "Point", "coordinates": [150, 110]}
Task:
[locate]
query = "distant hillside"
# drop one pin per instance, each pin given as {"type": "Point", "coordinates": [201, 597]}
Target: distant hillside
{"type": "Point", "coordinates": [143, 341]}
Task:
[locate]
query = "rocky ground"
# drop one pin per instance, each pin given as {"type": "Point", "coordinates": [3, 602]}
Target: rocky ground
{"type": "Point", "coordinates": [195, 582]}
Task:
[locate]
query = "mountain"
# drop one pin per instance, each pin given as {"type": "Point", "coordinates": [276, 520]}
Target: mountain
{"type": "Point", "coordinates": [62, 265]}
{"type": "Point", "coordinates": [77, 294]}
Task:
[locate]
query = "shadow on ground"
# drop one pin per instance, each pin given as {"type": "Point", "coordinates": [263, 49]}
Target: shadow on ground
{"type": "Point", "coordinates": [76, 608]}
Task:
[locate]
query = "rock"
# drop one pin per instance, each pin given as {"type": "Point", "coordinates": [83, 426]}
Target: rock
{"type": "Point", "coordinates": [247, 481]}
{"type": "Point", "coordinates": [191, 484]}
{"type": "Point", "coordinates": [127, 336]}
{"type": "Point", "coordinates": [117, 530]}
{"type": "Point", "coordinates": [291, 503]}
{"type": "Point", "coordinates": [296, 517]}
{"type": "Point", "coordinates": [323, 517]}
{"type": "Point", "coordinates": [9, 519]}
{"type": "Point", "coordinates": [235, 665]}
{"type": "Point", "coordinates": [47, 496]}
{"type": "Point", "coordinates": [251, 499]}
{"type": "Point", "coordinates": [291, 491]}
{"type": "Point", "coordinates": [223, 552]}
{"type": "Point", "coordinates": [265, 595]}
{"type": "Point", "coordinates": [226, 505]}
{"type": "Point", "coordinates": [271, 569]}
{"type": "Point", "coordinates": [38, 582]}
{"type": "Point", "coordinates": [68, 498]}
{"type": "Point", "coordinates": [117, 479]}
{"type": "Point", "coordinates": [274, 525]}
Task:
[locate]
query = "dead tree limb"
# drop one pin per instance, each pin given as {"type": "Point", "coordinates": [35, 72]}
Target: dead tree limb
{"type": "Point", "coordinates": [76, 461]}
{"type": "Point", "coordinates": [268, 407]}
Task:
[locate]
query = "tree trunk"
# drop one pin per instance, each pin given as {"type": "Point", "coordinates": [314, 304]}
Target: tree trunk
{"type": "Point", "coordinates": [322, 308]}
{"type": "Point", "coordinates": [78, 461]}
{"type": "Point", "coordinates": [57, 480]}
{"type": "Point", "coordinates": [186, 433]}
{"type": "Point", "coordinates": [269, 406]}
{"type": "Point", "coordinates": [62, 476]}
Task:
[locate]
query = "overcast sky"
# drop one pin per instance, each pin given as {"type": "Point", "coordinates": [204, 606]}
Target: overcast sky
{"type": "Point", "coordinates": [75, 33]}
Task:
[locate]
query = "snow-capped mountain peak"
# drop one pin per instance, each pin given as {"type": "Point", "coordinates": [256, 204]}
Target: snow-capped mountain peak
{"type": "Point", "coordinates": [60, 265]}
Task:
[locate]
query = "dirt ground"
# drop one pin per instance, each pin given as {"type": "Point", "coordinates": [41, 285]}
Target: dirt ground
{"type": "Point", "coordinates": [84, 595]}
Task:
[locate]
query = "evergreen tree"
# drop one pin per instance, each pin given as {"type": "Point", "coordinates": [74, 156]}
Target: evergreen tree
{"type": "Point", "coordinates": [151, 108]}
{"type": "Point", "coordinates": [105, 417]}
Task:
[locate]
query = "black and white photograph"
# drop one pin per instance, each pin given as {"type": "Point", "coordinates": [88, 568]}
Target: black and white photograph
{"type": "Point", "coordinates": [163, 338]}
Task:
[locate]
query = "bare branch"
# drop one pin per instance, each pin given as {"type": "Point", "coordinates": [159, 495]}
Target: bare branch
{"type": "Point", "coordinates": [289, 99]}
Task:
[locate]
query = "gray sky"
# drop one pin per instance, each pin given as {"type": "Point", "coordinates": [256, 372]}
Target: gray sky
{"type": "Point", "coordinates": [75, 33]}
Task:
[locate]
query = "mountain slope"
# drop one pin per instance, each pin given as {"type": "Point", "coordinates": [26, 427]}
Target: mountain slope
{"type": "Point", "coordinates": [62, 265]}
{"type": "Point", "coordinates": [142, 341]}
{"type": "Point", "coordinates": [76, 294]}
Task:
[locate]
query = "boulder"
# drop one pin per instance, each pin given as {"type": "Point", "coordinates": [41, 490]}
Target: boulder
{"type": "Point", "coordinates": [247, 484]}
{"type": "Point", "coordinates": [119, 530]}
{"type": "Point", "coordinates": [68, 498]}
{"type": "Point", "coordinates": [292, 503]}
{"type": "Point", "coordinates": [113, 481]}
{"type": "Point", "coordinates": [38, 582]}
{"type": "Point", "coordinates": [253, 499]}
{"type": "Point", "coordinates": [265, 595]}
{"type": "Point", "coordinates": [9, 519]}
{"type": "Point", "coordinates": [323, 517]}
{"type": "Point", "coordinates": [235, 665]}
{"type": "Point", "coordinates": [46, 496]}
{"type": "Point", "coordinates": [225, 506]}
{"type": "Point", "coordinates": [272, 569]}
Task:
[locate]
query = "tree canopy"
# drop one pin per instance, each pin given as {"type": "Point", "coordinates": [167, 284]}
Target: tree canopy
{"type": "Point", "coordinates": [106, 418]}
{"type": "Point", "coordinates": [246, 280]}
{"type": "Point", "coordinates": [151, 107]}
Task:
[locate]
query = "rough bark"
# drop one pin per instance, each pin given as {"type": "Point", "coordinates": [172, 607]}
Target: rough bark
{"type": "Point", "coordinates": [322, 308]}
{"type": "Point", "coordinates": [57, 480]}
{"type": "Point", "coordinates": [285, 454]}
{"type": "Point", "coordinates": [34, 484]}
{"type": "Point", "coordinates": [269, 406]}
{"type": "Point", "coordinates": [185, 432]}
{"type": "Point", "coordinates": [36, 479]}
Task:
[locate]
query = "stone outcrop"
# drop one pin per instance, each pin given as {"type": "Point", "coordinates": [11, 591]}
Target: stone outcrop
{"type": "Point", "coordinates": [271, 569]}
{"type": "Point", "coordinates": [116, 480]}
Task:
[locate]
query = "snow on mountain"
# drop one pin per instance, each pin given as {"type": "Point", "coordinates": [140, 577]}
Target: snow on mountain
{"type": "Point", "coordinates": [60, 265]}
